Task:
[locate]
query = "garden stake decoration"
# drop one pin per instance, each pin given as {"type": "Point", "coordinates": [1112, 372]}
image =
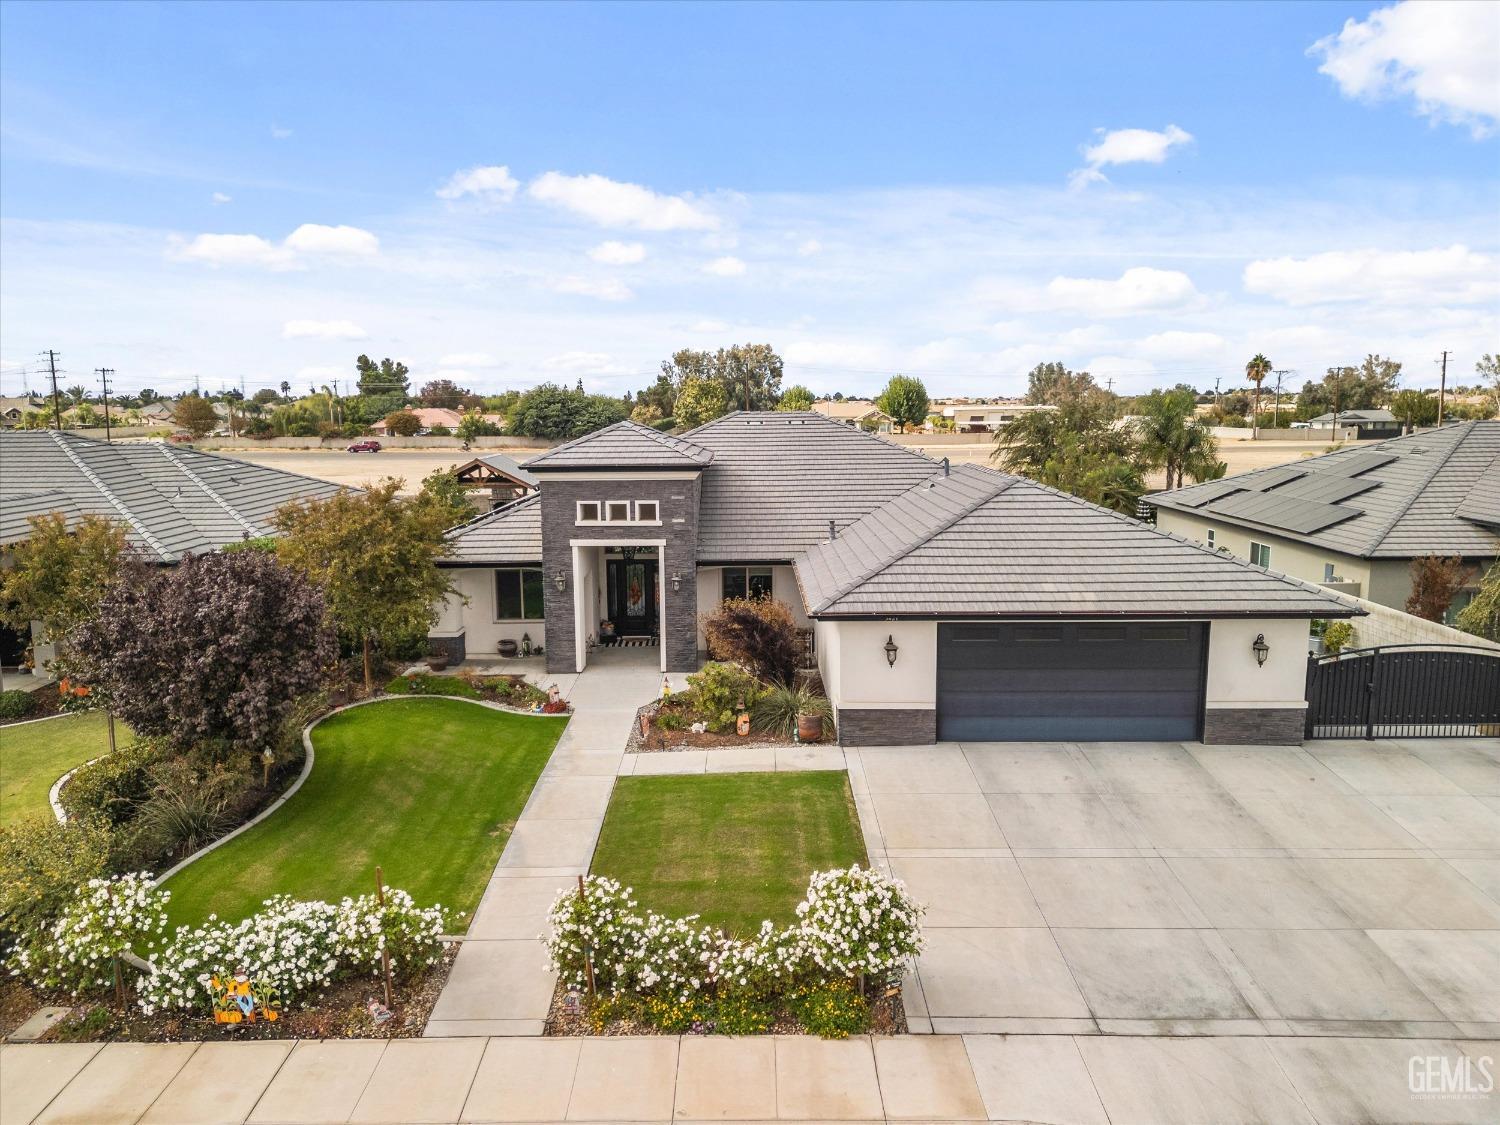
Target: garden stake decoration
{"type": "Point", "coordinates": [385, 954]}
{"type": "Point", "coordinates": [237, 999]}
{"type": "Point", "coordinates": [588, 954]}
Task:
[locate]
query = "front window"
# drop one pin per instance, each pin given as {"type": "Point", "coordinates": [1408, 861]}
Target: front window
{"type": "Point", "coordinates": [1211, 542]}
{"type": "Point", "coordinates": [1328, 572]}
{"type": "Point", "coordinates": [646, 511]}
{"type": "Point", "coordinates": [588, 511]}
{"type": "Point", "coordinates": [747, 582]}
{"type": "Point", "coordinates": [518, 593]}
{"type": "Point", "coordinates": [617, 511]}
{"type": "Point", "coordinates": [1260, 555]}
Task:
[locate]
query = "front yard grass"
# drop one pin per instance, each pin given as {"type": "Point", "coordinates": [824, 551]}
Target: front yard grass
{"type": "Point", "coordinates": [427, 788]}
{"type": "Point", "coordinates": [34, 755]}
{"type": "Point", "coordinates": [734, 848]}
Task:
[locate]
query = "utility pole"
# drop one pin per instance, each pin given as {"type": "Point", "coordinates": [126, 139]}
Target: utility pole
{"type": "Point", "coordinates": [1442, 388]}
{"type": "Point", "coordinates": [1276, 406]}
{"type": "Point", "coordinates": [52, 367]}
{"type": "Point", "coordinates": [104, 373]}
{"type": "Point", "coordinates": [1216, 394]}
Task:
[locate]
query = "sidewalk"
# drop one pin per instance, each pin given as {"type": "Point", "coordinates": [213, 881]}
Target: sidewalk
{"type": "Point", "coordinates": [1100, 1080]}
{"type": "Point", "coordinates": [498, 985]}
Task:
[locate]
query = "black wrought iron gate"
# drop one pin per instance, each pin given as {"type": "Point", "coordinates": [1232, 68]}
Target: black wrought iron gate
{"type": "Point", "coordinates": [1404, 691]}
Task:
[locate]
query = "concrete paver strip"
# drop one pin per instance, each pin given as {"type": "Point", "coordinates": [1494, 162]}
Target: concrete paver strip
{"type": "Point", "coordinates": [321, 1080]}
{"type": "Point", "coordinates": [826, 1079]}
{"type": "Point", "coordinates": [625, 1080]}
{"type": "Point", "coordinates": [726, 1079]}
{"type": "Point", "coordinates": [995, 972]}
{"type": "Point", "coordinates": [969, 892]}
{"type": "Point", "coordinates": [419, 1081]}
{"type": "Point", "coordinates": [31, 1076]}
{"type": "Point", "coordinates": [118, 1085]}
{"type": "Point", "coordinates": [220, 1084]}
{"type": "Point", "coordinates": [924, 1077]}
{"type": "Point", "coordinates": [497, 980]}
{"type": "Point", "coordinates": [523, 1080]}
{"type": "Point", "coordinates": [1034, 1078]}
{"type": "Point", "coordinates": [517, 908]}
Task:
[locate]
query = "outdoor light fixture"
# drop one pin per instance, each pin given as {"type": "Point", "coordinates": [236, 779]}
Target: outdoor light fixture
{"type": "Point", "coordinates": [891, 649]}
{"type": "Point", "coordinates": [560, 580]}
{"type": "Point", "coordinates": [676, 582]}
{"type": "Point", "coordinates": [627, 553]}
{"type": "Point", "coordinates": [1261, 649]}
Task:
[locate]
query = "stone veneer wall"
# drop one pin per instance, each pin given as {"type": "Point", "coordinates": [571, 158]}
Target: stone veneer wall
{"type": "Point", "coordinates": [881, 726]}
{"type": "Point", "coordinates": [1254, 726]}
{"type": "Point", "coordinates": [678, 500]}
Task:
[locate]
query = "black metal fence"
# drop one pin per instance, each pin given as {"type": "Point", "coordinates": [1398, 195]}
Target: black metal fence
{"type": "Point", "coordinates": [1404, 691]}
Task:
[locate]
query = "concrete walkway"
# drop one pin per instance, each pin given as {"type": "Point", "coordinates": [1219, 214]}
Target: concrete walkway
{"type": "Point", "coordinates": [1344, 888]}
{"type": "Point", "coordinates": [1097, 1080]}
{"type": "Point", "coordinates": [498, 985]}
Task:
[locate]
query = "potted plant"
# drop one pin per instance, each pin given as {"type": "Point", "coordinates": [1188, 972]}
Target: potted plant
{"type": "Point", "coordinates": [438, 661]}
{"type": "Point", "coordinates": [791, 710]}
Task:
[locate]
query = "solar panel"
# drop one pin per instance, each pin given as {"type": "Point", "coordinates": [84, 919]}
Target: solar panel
{"type": "Point", "coordinates": [1286, 513]}
{"type": "Point", "coordinates": [1327, 488]}
{"type": "Point", "coordinates": [1359, 463]}
{"type": "Point", "coordinates": [1208, 493]}
{"type": "Point", "coordinates": [1268, 479]}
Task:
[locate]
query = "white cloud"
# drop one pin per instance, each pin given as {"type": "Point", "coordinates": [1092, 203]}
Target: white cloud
{"type": "Point", "coordinates": [713, 327]}
{"type": "Point", "coordinates": [725, 267]}
{"type": "Point", "coordinates": [314, 238]}
{"type": "Point", "coordinates": [233, 250]}
{"type": "Point", "coordinates": [607, 289]}
{"type": "Point", "coordinates": [614, 253]}
{"type": "Point", "coordinates": [490, 183]}
{"type": "Point", "coordinates": [1451, 274]}
{"type": "Point", "coordinates": [582, 363]}
{"type": "Point", "coordinates": [469, 359]}
{"type": "Point", "coordinates": [1137, 290]}
{"type": "Point", "coordinates": [321, 373]}
{"type": "Point", "coordinates": [1440, 53]}
{"type": "Point", "coordinates": [810, 247]}
{"type": "Point", "coordinates": [280, 134]}
{"type": "Point", "coordinates": [611, 203]}
{"type": "Point", "coordinates": [322, 330]}
{"type": "Point", "coordinates": [1177, 344]}
{"type": "Point", "coordinates": [219, 197]}
{"type": "Point", "coordinates": [1126, 146]}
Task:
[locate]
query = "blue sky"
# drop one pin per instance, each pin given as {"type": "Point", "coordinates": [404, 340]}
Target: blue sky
{"type": "Point", "coordinates": [506, 194]}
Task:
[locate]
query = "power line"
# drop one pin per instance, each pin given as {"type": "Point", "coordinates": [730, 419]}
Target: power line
{"type": "Point", "coordinates": [104, 373]}
{"type": "Point", "coordinates": [1442, 388]}
{"type": "Point", "coordinates": [52, 368]}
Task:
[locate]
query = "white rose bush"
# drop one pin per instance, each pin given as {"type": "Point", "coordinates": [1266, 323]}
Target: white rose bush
{"type": "Point", "coordinates": [110, 917]}
{"type": "Point", "coordinates": [854, 923]}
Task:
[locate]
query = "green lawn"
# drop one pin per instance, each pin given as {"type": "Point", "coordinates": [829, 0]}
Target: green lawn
{"type": "Point", "coordinates": [35, 755]}
{"type": "Point", "coordinates": [427, 788]}
{"type": "Point", "coordinates": [735, 848]}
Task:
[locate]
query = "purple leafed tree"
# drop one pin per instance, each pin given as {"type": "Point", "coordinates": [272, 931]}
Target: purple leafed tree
{"type": "Point", "coordinates": [209, 653]}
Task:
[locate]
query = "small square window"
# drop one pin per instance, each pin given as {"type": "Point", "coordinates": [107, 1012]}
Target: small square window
{"type": "Point", "coordinates": [1260, 555]}
{"type": "Point", "coordinates": [1211, 537]}
{"type": "Point", "coordinates": [1328, 572]}
{"type": "Point", "coordinates": [646, 511]}
{"type": "Point", "coordinates": [588, 511]}
{"type": "Point", "coordinates": [617, 511]}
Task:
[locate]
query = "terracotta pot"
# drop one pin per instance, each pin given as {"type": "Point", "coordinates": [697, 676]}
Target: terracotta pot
{"type": "Point", "coordinates": [809, 727]}
{"type": "Point", "coordinates": [437, 663]}
{"type": "Point", "coordinates": [508, 648]}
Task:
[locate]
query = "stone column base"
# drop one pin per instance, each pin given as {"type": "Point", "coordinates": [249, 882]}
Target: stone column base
{"type": "Point", "coordinates": [1254, 726]}
{"type": "Point", "coordinates": [882, 727]}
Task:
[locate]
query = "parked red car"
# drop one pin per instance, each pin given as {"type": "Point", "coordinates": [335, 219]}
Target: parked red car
{"type": "Point", "coordinates": [369, 445]}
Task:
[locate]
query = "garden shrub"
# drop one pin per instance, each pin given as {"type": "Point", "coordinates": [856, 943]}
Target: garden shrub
{"type": "Point", "coordinates": [112, 786]}
{"type": "Point", "coordinates": [718, 691]}
{"type": "Point", "coordinates": [776, 712]}
{"type": "Point", "coordinates": [756, 633]}
{"type": "Point", "coordinates": [1337, 636]}
{"type": "Point", "coordinates": [15, 704]}
{"type": "Point", "coordinates": [42, 865]}
{"type": "Point", "coordinates": [188, 804]}
{"type": "Point", "coordinates": [107, 918]}
{"type": "Point", "coordinates": [832, 1009]}
{"type": "Point", "coordinates": [739, 1011]}
{"type": "Point", "coordinates": [857, 922]}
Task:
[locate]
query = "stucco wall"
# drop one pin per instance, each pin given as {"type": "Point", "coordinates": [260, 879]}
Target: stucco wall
{"type": "Point", "coordinates": [783, 589]}
{"type": "Point", "coordinates": [1236, 680]}
{"type": "Point", "coordinates": [1288, 556]}
{"type": "Point", "coordinates": [855, 653]}
{"type": "Point", "coordinates": [482, 633]}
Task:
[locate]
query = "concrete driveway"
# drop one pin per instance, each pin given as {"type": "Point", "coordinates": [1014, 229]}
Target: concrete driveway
{"type": "Point", "coordinates": [1344, 888]}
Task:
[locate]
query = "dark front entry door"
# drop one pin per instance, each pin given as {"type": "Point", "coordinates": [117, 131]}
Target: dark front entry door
{"type": "Point", "coordinates": [1071, 681]}
{"type": "Point", "coordinates": [632, 596]}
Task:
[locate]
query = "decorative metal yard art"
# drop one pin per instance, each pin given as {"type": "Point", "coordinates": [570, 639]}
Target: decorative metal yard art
{"type": "Point", "coordinates": [238, 999]}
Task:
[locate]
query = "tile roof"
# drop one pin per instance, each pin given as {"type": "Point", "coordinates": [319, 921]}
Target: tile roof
{"type": "Point", "coordinates": [171, 500]}
{"type": "Point", "coordinates": [625, 445]}
{"type": "Point", "coordinates": [983, 543]}
{"type": "Point", "coordinates": [501, 464]}
{"type": "Point", "coordinates": [778, 478]}
{"type": "Point", "coordinates": [1426, 493]}
{"type": "Point", "coordinates": [512, 534]}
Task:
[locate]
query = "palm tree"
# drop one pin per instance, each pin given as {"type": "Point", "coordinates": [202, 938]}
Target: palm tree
{"type": "Point", "coordinates": [77, 394]}
{"type": "Point", "coordinates": [1256, 371]}
{"type": "Point", "coordinates": [286, 389]}
{"type": "Point", "coordinates": [1172, 437]}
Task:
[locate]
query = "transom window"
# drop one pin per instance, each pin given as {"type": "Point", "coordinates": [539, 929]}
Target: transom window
{"type": "Point", "coordinates": [747, 582]}
{"type": "Point", "coordinates": [1260, 555]}
{"type": "Point", "coordinates": [519, 592]}
{"type": "Point", "coordinates": [619, 511]}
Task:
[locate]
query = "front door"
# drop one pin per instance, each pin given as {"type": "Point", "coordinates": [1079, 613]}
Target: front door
{"type": "Point", "coordinates": [632, 596]}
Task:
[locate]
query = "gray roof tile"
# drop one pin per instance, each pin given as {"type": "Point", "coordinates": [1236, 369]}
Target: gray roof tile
{"type": "Point", "coordinates": [1436, 492]}
{"type": "Point", "coordinates": [626, 445]}
{"type": "Point", "coordinates": [171, 500]}
{"type": "Point", "coordinates": [512, 534]}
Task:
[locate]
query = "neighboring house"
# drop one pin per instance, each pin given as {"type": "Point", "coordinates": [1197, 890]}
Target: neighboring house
{"type": "Point", "coordinates": [855, 412]}
{"type": "Point", "coordinates": [494, 480]}
{"type": "Point", "coordinates": [14, 408]}
{"type": "Point", "coordinates": [985, 418]}
{"type": "Point", "coordinates": [431, 416]}
{"type": "Point", "coordinates": [1367, 424]}
{"type": "Point", "coordinates": [1355, 519]}
{"type": "Point", "coordinates": [956, 603]}
{"type": "Point", "coordinates": [157, 414]}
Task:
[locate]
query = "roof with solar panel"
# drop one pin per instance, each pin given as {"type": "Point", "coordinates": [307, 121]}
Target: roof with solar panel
{"type": "Point", "coordinates": [1436, 492]}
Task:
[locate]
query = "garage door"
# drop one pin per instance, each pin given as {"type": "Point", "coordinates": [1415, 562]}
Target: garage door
{"type": "Point", "coordinates": [1085, 681]}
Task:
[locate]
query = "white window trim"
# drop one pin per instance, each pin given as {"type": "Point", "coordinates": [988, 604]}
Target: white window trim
{"type": "Point", "coordinates": [1265, 553]}
{"type": "Point", "coordinates": [579, 513]}
{"type": "Point", "coordinates": [603, 520]}
{"type": "Point", "coordinates": [629, 511]}
{"type": "Point", "coordinates": [635, 511]}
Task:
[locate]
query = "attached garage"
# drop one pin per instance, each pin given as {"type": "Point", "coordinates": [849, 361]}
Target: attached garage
{"type": "Point", "coordinates": [1071, 681]}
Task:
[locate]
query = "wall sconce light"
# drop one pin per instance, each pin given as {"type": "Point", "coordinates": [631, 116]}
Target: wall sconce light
{"type": "Point", "coordinates": [676, 582]}
{"type": "Point", "coordinates": [1261, 649]}
{"type": "Point", "coordinates": [560, 580]}
{"type": "Point", "coordinates": [891, 649]}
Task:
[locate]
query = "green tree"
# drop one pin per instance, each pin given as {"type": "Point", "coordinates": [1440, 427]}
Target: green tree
{"type": "Point", "coordinates": [1435, 582]}
{"type": "Point", "coordinates": [700, 401]}
{"type": "Point", "coordinates": [1052, 384]}
{"type": "Point", "coordinates": [558, 413]}
{"type": "Point", "coordinates": [1110, 479]}
{"type": "Point", "coordinates": [402, 423]}
{"type": "Point", "coordinates": [1256, 371]}
{"type": "Point", "coordinates": [905, 401]}
{"type": "Point", "coordinates": [444, 492]}
{"type": "Point", "coordinates": [474, 424]}
{"type": "Point", "coordinates": [750, 375]}
{"type": "Point", "coordinates": [442, 393]}
{"type": "Point", "coordinates": [796, 398]}
{"type": "Point", "coordinates": [195, 414]}
{"type": "Point", "coordinates": [381, 378]}
{"type": "Point", "coordinates": [1414, 408]}
{"type": "Point", "coordinates": [264, 397]}
{"type": "Point", "coordinates": [1482, 615]}
{"type": "Point", "coordinates": [58, 574]}
{"type": "Point", "coordinates": [1171, 437]}
{"type": "Point", "coordinates": [374, 554]}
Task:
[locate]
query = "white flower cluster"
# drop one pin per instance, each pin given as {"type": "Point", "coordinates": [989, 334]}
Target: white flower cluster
{"type": "Point", "coordinates": [852, 921]}
{"type": "Point", "coordinates": [300, 947]}
{"type": "Point", "coordinates": [109, 917]}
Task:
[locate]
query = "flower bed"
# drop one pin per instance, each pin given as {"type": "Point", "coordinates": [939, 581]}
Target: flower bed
{"type": "Point", "coordinates": [508, 690]}
{"type": "Point", "coordinates": [855, 931]}
{"type": "Point", "coordinates": [706, 716]}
